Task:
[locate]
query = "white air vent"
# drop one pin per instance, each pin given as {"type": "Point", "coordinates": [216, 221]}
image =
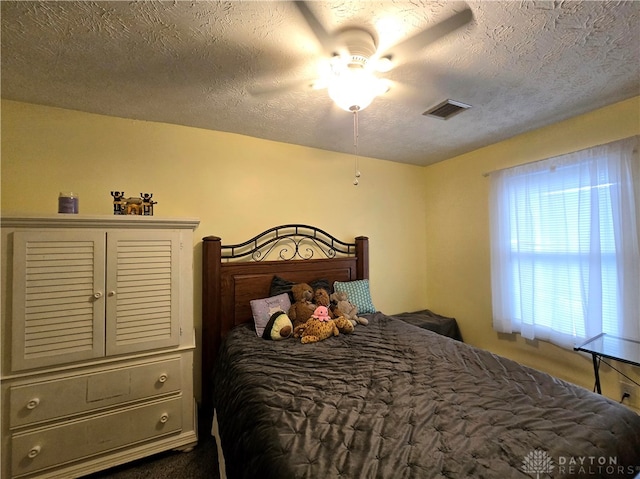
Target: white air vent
{"type": "Point", "coordinates": [446, 109]}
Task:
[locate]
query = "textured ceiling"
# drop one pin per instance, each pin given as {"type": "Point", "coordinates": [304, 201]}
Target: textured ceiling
{"type": "Point", "coordinates": [244, 67]}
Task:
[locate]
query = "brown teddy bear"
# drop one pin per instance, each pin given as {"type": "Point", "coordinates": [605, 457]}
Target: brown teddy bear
{"type": "Point", "coordinates": [302, 308]}
{"type": "Point", "coordinates": [320, 326]}
{"type": "Point", "coordinates": [321, 298]}
{"type": "Point", "coordinates": [349, 310]}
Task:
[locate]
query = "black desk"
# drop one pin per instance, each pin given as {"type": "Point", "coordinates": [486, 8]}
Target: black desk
{"type": "Point", "coordinates": [606, 346]}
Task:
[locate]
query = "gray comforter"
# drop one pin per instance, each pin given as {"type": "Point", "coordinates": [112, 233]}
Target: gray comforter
{"type": "Point", "coordinates": [395, 401]}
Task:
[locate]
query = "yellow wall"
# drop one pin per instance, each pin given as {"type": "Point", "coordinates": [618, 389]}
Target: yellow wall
{"type": "Point", "coordinates": [236, 185]}
{"type": "Point", "coordinates": [458, 258]}
{"type": "Point", "coordinates": [239, 186]}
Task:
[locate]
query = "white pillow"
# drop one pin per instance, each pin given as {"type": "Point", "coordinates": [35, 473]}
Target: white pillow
{"type": "Point", "coordinates": [262, 310]}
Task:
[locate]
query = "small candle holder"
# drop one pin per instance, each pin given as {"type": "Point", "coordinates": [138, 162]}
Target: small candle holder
{"type": "Point", "coordinates": [68, 203]}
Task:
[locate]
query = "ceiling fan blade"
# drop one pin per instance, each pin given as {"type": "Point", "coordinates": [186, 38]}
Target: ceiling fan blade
{"type": "Point", "coordinates": [266, 92]}
{"type": "Point", "coordinates": [326, 40]}
{"type": "Point", "coordinates": [404, 50]}
{"type": "Point", "coordinates": [402, 92]}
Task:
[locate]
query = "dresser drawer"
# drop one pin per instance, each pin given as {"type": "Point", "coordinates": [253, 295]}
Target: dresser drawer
{"type": "Point", "coordinates": [46, 400]}
{"type": "Point", "coordinates": [81, 439]}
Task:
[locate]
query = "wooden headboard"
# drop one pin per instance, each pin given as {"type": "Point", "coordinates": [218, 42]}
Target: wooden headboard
{"type": "Point", "coordinates": [233, 275]}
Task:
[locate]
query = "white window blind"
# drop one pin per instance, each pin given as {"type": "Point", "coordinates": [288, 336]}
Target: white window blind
{"type": "Point", "coordinates": [564, 246]}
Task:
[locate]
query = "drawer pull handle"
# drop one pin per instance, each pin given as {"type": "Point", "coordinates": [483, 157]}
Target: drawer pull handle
{"type": "Point", "coordinates": [33, 403]}
{"type": "Point", "coordinates": [164, 418]}
{"type": "Point", "coordinates": [163, 378]}
{"type": "Point", "coordinates": [35, 450]}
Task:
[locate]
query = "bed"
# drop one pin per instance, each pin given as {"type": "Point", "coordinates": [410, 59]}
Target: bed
{"type": "Point", "coordinates": [390, 400]}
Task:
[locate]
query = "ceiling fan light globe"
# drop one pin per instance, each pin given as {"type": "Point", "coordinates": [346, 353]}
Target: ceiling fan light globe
{"type": "Point", "coordinates": [354, 89]}
{"type": "Point", "coordinates": [338, 64]}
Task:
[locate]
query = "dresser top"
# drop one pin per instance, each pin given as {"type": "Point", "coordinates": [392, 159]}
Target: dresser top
{"type": "Point", "coordinates": [98, 221]}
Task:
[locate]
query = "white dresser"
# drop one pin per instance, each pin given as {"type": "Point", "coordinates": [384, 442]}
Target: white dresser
{"type": "Point", "coordinates": [97, 342]}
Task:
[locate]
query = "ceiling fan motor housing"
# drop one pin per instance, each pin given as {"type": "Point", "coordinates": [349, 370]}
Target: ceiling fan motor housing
{"type": "Point", "coordinates": [358, 44]}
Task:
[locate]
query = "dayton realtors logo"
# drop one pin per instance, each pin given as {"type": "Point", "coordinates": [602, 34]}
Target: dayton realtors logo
{"type": "Point", "coordinates": [537, 462]}
{"type": "Point", "coordinates": [540, 462]}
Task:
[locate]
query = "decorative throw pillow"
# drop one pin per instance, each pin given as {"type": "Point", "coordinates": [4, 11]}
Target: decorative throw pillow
{"type": "Point", "coordinates": [280, 285]}
{"type": "Point", "coordinates": [262, 310]}
{"type": "Point", "coordinates": [358, 293]}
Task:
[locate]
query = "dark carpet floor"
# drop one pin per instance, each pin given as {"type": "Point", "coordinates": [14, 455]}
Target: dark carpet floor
{"type": "Point", "coordinates": [201, 463]}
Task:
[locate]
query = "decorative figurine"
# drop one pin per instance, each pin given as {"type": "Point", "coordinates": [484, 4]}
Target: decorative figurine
{"type": "Point", "coordinates": [147, 204]}
{"type": "Point", "coordinates": [132, 206]}
{"type": "Point", "coordinates": [119, 202]}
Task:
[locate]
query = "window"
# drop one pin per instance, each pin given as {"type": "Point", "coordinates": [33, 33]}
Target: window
{"type": "Point", "coordinates": [564, 246]}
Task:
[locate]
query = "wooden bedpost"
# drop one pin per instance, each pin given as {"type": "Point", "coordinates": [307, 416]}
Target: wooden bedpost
{"type": "Point", "coordinates": [211, 300]}
{"type": "Point", "coordinates": [362, 253]}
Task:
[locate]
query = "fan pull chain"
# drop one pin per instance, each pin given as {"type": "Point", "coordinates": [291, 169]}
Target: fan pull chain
{"type": "Point", "coordinates": [356, 181]}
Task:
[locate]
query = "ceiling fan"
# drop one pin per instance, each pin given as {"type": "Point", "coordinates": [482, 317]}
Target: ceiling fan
{"type": "Point", "coordinates": [355, 60]}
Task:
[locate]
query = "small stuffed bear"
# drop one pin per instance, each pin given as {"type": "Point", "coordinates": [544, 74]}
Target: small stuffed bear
{"type": "Point", "coordinates": [320, 326]}
{"type": "Point", "coordinates": [278, 327]}
{"type": "Point", "coordinates": [321, 298]}
{"type": "Point", "coordinates": [349, 310]}
{"type": "Point", "coordinates": [302, 308]}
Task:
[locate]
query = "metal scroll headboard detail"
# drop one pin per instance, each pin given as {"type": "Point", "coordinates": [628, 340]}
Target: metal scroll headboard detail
{"type": "Point", "coordinates": [289, 242]}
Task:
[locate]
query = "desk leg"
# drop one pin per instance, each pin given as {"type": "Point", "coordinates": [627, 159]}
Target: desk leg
{"type": "Point", "coordinates": [596, 372]}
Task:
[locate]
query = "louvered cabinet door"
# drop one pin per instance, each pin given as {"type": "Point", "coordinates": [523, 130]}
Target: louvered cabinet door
{"type": "Point", "coordinates": [143, 278]}
{"type": "Point", "coordinates": [57, 310]}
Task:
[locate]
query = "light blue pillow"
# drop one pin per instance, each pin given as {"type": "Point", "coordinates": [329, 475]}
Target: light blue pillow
{"type": "Point", "coordinates": [358, 293]}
